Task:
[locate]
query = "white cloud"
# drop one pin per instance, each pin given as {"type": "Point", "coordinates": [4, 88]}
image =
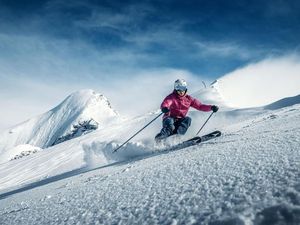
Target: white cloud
{"type": "Point", "coordinates": [130, 17]}
{"type": "Point", "coordinates": [39, 57]}
{"type": "Point", "coordinates": [223, 49]}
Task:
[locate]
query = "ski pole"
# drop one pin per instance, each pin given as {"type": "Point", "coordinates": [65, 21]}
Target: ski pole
{"type": "Point", "coordinates": [205, 123]}
{"type": "Point", "coordinates": [137, 132]}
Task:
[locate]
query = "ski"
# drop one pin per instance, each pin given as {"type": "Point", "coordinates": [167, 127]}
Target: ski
{"type": "Point", "coordinates": [195, 141]}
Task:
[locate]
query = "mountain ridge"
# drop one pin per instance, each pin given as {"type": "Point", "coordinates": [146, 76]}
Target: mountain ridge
{"type": "Point", "coordinates": [43, 130]}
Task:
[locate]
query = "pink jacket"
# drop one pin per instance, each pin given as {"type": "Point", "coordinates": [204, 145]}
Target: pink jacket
{"type": "Point", "coordinates": [179, 105]}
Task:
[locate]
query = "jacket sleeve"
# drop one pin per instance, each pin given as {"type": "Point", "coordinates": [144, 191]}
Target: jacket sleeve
{"type": "Point", "coordinates": [199, 106]}
{"type": "Point", "coordinates": [167, 102]}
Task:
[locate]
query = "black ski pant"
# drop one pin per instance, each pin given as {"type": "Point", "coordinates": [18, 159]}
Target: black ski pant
{"type": "Point", "coordinates": [175, 125]}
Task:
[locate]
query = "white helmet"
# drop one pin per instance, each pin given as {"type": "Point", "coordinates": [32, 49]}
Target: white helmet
{"type": "Point", "coordinates": [180, 85]}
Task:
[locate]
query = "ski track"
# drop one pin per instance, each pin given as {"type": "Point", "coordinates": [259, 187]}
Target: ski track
{"type": "Point", "coordinates": [250, 175]}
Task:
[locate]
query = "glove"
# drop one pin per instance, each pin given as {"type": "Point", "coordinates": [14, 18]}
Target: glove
{"type": "Point", "coordinates": [214, 108]}
{"type": "Point", "coordinates": [165, 110]}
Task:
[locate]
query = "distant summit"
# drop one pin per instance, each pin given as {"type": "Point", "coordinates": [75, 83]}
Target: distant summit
{"type": "Point", "coordinates": [212, 95]}
{"type": "Point", "coordinates": [81, 112]}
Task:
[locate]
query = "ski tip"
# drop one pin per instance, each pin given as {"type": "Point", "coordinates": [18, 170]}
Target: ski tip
{"type": "Point", "coordinates": [218, 133]}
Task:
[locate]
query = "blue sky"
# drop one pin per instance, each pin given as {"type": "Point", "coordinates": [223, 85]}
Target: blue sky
{"type": "Point", "coordinates": [50, 48]}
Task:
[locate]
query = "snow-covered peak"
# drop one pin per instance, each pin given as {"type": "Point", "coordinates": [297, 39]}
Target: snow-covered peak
{"type": "Point", "coordinates": [211, 95]}
{"type": "Point", "coordinates": [89, 104]}
{"type": "Point", "coordinates": [43, 130]}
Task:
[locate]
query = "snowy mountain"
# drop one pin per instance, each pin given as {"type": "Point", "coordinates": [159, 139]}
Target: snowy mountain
{"type": "Point", "coordinates": [212, 95]}
{"type": "Point", "coordinates": [49, 128]}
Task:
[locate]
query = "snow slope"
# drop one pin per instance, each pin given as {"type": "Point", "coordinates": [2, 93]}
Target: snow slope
{"type": "Point", "coordinates": [77, 153]}
{"type": "Point", "coordinates": [250, 175]}
{"type": "Point", "coordinates": [42, 131]}
{"type": "Point", "coordinates": [284, 103]}
{"type": "Point", "coordinates": [95, 149]}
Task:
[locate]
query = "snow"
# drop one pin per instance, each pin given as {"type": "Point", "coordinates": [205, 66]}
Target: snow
{"type": "Point", "coordinates": [249, 175]}
{"type": "Point", "coordinates": [284, 103]}
{"type": "Point", "coordinates": [19, 151]}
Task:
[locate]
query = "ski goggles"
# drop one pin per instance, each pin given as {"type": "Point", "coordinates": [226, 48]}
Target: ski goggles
{"type": "Point", "coordinates": [181, 91]}
{"type": "Point", "coordinates": [181, 88]}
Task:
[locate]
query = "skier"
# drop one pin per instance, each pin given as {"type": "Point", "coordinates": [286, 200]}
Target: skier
{"type": "Point", "coordinates": [175, 108]}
